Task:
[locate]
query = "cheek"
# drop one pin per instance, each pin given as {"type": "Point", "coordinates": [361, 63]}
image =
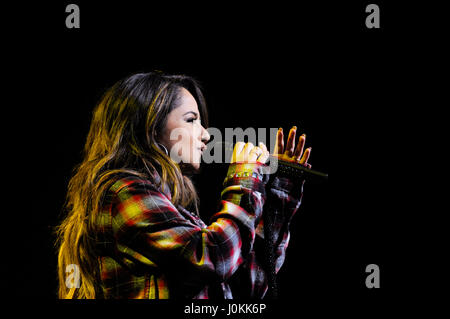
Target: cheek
{"type": "Point", "coordinates": [190, 142]}
{"type": "Point", "coordinates": [177, 134]}
{"type": "Point", "coordinates": [182, 140]}
{"type": "Point", "coordinates": [185, 136]}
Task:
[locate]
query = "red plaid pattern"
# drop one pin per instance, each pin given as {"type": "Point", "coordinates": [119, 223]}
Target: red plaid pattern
{"type": "Point", "coordinates": [150, 249]}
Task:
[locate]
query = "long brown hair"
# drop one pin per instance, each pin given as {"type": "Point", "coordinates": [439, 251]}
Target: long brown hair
{"type": "Point", "coordinates": [123, 138]}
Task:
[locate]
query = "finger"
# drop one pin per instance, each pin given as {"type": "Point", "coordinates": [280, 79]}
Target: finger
{"type": "Point", "coordinates": [237, 150]}
{"type": "Point", "coordinates": [254, 154]}
{"type": "Point", "coordinates": [305, 156]}
{"type": "Point", "coordinates": [279, 143]}
{"type": "Point", "coordinates": [308, 166]}
{"type": "Point", "coordinates": [290, 142]}
{"type": "Point", "coordinates": [265, 153]}
{"type": "Point", "coordinates": [263, 147]}
{"type": "Point", "coordinates": [246, 151]}
{"type": "Point", "coordinates": [299, 149]}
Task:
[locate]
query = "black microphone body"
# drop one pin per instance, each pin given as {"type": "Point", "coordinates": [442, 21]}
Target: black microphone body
{"type": "Point", "coordinates": [286, 168]}
{"type": "Point", "coordinates": [296, 170]}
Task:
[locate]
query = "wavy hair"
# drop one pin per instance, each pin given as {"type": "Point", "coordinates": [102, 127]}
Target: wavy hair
{"type": "Point", "coordinates": [122, 139]}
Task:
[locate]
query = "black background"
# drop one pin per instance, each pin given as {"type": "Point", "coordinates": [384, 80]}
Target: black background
{"type": "Point", "coordinates": [350, 89]}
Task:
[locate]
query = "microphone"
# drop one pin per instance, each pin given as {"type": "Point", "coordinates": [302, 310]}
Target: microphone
{"type": "Point", "coordinates": [280, 167]}
{"type": "Point", "coordinates": [296, 170]}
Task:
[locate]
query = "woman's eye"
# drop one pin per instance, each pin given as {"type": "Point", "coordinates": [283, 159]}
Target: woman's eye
{"type": "Point", "coordinates": [191, 120]}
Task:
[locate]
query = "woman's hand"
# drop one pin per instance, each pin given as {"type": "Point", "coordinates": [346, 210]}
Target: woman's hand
{"type": "Point", "coordinates": [290, 152]}
{"type": "Point", "coordinates": [247, 152]}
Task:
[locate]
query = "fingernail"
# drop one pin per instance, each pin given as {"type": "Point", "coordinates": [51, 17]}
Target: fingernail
{"type": "Point", "coordinates": [304, 135]}
{"type": "Point", "coordinates": [294, 127]}
{"type": "Point", "coordinates": [280, 129]}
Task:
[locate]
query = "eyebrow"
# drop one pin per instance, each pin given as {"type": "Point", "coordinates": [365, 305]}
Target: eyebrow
{"type": "Point", "coordinates": [196, 114]}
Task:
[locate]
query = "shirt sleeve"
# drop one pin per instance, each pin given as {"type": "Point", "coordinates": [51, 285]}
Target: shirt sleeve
{"type": "Point", "coordinates": [150, 231]}
{"type": "Point", "coordinates": [285, 196]}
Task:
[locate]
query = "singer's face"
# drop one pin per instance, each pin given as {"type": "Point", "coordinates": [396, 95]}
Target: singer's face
{"type": "Point", "coordinates": [184, 136]}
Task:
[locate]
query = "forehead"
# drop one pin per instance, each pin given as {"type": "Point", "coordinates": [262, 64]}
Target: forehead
{"type": "Point", "coordinates": [186, 102]}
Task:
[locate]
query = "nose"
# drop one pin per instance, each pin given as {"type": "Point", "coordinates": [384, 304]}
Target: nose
{"type": "Point", "coordinates": [205, 135]}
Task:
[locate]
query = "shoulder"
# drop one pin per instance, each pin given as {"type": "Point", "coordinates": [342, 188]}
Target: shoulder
{"type": "Point", "coordinates": [132, 183]}
{"type": "Point", "coordinates": [136, 203]}
{"type": "Point", "coordinates": [135, 197]}
{"type": "Point", "coordinates": [136, 184]}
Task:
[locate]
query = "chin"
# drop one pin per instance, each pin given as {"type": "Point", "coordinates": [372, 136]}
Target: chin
{"type": "Point", "coordinates": [195, 166]}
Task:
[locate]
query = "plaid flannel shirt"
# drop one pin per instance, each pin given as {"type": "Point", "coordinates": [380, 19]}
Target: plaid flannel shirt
{"type": "Point", "coordinates": [150, 249]}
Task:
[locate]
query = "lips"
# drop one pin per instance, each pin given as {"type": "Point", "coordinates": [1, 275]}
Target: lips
{"type": "Point", "coordinates": [202, 149]}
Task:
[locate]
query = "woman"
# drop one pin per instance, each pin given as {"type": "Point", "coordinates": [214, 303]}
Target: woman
{"type": "Point", "coordinates": [133, 228]}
